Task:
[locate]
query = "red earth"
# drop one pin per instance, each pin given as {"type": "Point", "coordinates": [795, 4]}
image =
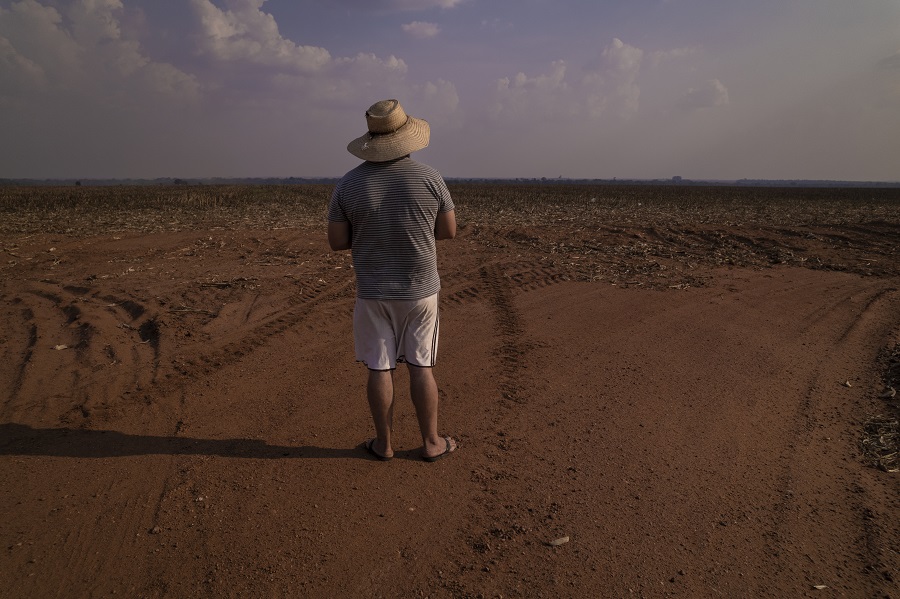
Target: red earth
{"type": "Point", "coordinates": [182, 415]}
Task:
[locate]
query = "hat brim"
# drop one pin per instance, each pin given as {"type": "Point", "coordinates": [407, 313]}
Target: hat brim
{"type": "Point", "coordinates": [411, 137]}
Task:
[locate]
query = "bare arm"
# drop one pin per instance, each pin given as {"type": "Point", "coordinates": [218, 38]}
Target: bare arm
{"type": "Point", "coordinates": [445, 227]}
{"type": "Point", "coordinates": [339, 237]}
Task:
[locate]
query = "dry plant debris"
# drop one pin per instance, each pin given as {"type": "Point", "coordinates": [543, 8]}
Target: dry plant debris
{"type": "Point", "coordinates": [647, 236]}
{"type": "Point", "coordinates": [881, 443]}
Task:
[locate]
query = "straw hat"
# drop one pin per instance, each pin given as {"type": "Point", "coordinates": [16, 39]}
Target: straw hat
{"type": "Point", "coordinates": [392, 133]}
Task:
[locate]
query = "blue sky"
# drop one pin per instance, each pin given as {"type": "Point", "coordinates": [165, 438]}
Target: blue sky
{"type": "Point", "coordinates": [704, 89]}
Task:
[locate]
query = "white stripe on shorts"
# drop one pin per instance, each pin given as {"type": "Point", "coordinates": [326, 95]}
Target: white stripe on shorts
{"type": "Point", "coordinates": [386, 332]}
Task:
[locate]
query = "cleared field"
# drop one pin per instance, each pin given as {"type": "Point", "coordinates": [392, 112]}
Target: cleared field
{"type": "Point", "coordinates": [687, 383]}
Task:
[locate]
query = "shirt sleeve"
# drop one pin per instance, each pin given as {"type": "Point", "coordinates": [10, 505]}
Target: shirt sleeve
{"type": "Point", "coordinates": [440, 190]}
{"type": "Point", "coordinates": [335, 207]}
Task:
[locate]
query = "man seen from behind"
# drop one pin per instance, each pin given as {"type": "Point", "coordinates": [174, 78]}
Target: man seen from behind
{"type": "Point", "coordinates": [389, 211]}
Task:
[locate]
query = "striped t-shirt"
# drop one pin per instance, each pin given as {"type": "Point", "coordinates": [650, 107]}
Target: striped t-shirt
{"type": "Point", "coordinates": [392, 209]}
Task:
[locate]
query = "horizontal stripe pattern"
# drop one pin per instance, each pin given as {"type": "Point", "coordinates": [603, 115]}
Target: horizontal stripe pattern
{"type": "Point", "coordinates": [392, 209]}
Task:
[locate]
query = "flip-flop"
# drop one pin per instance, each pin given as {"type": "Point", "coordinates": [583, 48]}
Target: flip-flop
{"type": "Point", "coordinates": [369, 446]}
{"type": "Point", "coordinates": [445, 453]}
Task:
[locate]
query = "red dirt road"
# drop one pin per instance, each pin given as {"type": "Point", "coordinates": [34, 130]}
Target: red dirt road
{"type": "Point", "coordinates": [198, 435]}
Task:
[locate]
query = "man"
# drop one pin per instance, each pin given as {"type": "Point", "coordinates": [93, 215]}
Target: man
{"type": "Point", "coordinates": [389, 211]}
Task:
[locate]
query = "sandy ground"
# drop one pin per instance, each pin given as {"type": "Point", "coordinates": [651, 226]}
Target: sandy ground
{"type": "Point", "coordinates": [182, 412]}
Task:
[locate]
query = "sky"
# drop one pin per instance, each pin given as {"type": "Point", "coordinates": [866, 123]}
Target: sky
{"type": "Point", "coordinates": [702, 89]}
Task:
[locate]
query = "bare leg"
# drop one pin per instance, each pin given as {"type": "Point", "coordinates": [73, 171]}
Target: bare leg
{"type": "Point", "coordinates": [424, 392]}
{"type": "Point", "coordinates": [380, 392]}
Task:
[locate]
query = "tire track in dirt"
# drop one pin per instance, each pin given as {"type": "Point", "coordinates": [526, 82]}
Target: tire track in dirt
{"type": "Point", "coordinates": [120, 351]}
{"type": "Point", "coordinates": [511, 350]}
{"type": "Point", "coordinates": [320, 300]}
{"type": "Point", "coordinates": [506, 518]}
{"type": "Point", "coordinates": [84, 355]}
{"type": "Point", "coordinates": [497, 284]}
{"type": "Point", "coordinates": [866, 312]}
{"type": "Point", "coordinates": [815, 413]}
{"type": "Point", "coordinates": [523, 276]}
{"type": "Point", "coordinates": [23, 359]}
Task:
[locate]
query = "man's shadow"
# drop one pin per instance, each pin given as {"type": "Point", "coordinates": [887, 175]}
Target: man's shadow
{"type": "Point", "coordinates": [20, 439]}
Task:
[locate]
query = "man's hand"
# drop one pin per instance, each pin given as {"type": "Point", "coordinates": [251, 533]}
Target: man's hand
{"type": "Point", "coordinates": [445, 227]}
{"type": "Point", "coordinates": [339, 235]}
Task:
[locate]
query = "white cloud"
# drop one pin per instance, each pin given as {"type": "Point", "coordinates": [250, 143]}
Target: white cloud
{"type": "Point", "coordinates": [403, 5]}
{"type": "Point", "coordinates": [368, 60]}
{"type": "Point", "coordinates": [79, 94]}
{"type": "Point", "coordinates": [622, 58]}
{"type": "Point", "coordinates": [251, 58]}
{"type": "Point", "coordinates": [424, 4]}
{"type": "Point", "coordinates": [366, 74]}
{"type": "Point", "coordinates": [539, 97]}
{"type": "Point", "coordinates": [93, 21]}
{"type": "Point", "coordinates": [661, 57]}
{"type": "Point", "coordinates": [711, 94]}
{"type": "Point", "coordinates": [421, 30]}
{"type": "Point", "coordinates": [497, 25]}
{"type": "Point", "coordinates": [609, 89]}
{"type": "Point", "coordinates": [244, 33]}
{"type": "Point", "coordinates": [439, 102]}
{"type": "Point", "coordinates": [346, 83]}
{"type": "Point", "coordinates": [37, 47]}
{"type": "Point", "coordinates": [41, 51]}
{"type": "Point", "coordinates": [18, 72]}
{"type": "Point", "coordinates": [614, 89]}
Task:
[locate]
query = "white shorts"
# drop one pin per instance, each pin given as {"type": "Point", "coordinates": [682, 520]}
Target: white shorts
{"type": "Point", "coordinates": [386, 332]}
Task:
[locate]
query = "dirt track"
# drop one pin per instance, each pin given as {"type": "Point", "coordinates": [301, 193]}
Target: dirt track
{"type": "Point", "coordinates": [684, 404]}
